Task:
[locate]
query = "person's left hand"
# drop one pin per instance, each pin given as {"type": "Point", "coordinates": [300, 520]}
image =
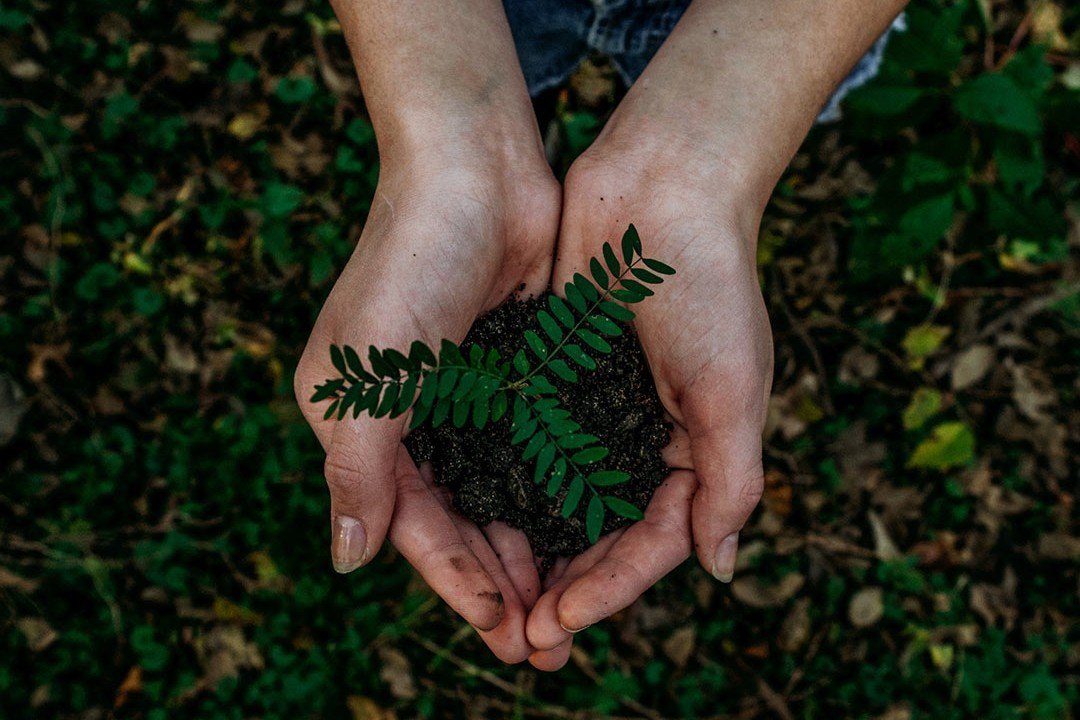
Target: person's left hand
{"type": "Point", "coordinates": [707, 340]}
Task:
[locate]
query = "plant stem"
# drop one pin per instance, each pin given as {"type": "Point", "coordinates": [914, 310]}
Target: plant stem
{"type": "Point", "coordinates": [604, 295]}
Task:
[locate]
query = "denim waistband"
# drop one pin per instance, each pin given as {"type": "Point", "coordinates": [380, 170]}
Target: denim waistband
{"type": "Point", "coordinates": [554, 36]}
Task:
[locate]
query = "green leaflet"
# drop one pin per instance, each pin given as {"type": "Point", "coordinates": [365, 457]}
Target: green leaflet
{"type": "Point", "coordinates": [594, 518]}
{"type": "Point", "coordinates": [606, 478]}
{"type": "Point", "coordinates": [623, 508]}
{"type": "Point", "coordinates": [573, 496]}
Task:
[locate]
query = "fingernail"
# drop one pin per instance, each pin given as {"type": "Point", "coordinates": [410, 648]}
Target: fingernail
{"type": "Point", "coordinates": [349, 544]}
{"type": "Point", "coordinates": [723, 568]}
{"type": "Point", "coordinates": [573, 632]}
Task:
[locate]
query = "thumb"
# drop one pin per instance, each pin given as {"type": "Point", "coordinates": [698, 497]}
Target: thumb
{"type": "Point", "coordinates": [727, 460]}
{"type": "Point", "coordinates": [360, 475]}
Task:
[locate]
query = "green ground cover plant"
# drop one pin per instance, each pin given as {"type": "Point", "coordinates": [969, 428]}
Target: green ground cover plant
{"type": "Point", "coordinates": [180, 184]}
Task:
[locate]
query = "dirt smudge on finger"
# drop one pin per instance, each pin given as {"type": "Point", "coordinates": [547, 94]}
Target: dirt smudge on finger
{"type": "Point", "coordinates": [495, 598]}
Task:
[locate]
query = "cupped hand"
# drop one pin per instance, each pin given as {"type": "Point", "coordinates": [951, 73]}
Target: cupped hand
{"type": "Point", "coordinates": [707, 339]}
{"type": "Point", "coordinates": [444, 242]}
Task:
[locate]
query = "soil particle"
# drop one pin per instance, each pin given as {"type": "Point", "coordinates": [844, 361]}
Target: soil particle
{"type": "Point", "coordinates": [495, 598]}
{"type": "Point", "coordinates": [617, 402]}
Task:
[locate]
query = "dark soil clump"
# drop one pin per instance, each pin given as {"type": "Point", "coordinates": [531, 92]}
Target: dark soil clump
{"type": "Point", "coordinates": [617, 402]}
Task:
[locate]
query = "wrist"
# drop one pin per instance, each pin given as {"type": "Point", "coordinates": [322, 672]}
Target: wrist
{"type": "Point", "coordinates": [445, 138]}
{"type": "Point", "coordinates": [502, 185]}
{"type": "Point", "coordinates": [683, 175]}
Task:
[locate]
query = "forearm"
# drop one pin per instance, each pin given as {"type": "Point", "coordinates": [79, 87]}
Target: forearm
{"type": "Point", "coordinates": [738, 84]}
{"type": "Point", "coordinates": [434, 73]}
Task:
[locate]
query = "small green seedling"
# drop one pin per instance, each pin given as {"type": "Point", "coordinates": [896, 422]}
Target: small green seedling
{"type": "Point", "coordinates": [477, 386]}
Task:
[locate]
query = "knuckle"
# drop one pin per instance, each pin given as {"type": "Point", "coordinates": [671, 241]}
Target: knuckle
{"type": "Point", "coordinates": [454, 553]}
{"type": "Point", "coordinates": [750, 490]}
{"type": "Point", "coordinates": [628, 570]}
{"type": "Point", "coordinates": [676, 537]}
{"type": "Point", "coordinates": [343, 472]}
{"type": "Point", "coordinates": [413, 493]}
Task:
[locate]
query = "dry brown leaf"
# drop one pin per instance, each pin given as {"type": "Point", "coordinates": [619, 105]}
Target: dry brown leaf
{"type": "Point", "coordinates": [940, 552]}
{"type": "Point", "coordinates": [363, 708]}
{"type": "Point", "coordinates": [26, 69]}
{"type": "Point", "coordinates": [224, 652]}
{"type": "Point", "coordinates": [884, 547]}
{"type": "Point", "coordinates": [132, 684]}
{"type": "Point", "coordinates": [748, 553]}
{"type": "Point", "coordinates": [996, 602]}
{"type": "Point", "coordinates": [396, 672]}
{"type": "Point", "coordinates": [342, 84]}
{"type": "Point", "coordinates": [41, 355]}
{"type": "Point", "coordinates": [228, 611]}
{"type": "Point", "coordinates": [244, 125]}
{"type": "Point", "coordinates": [9, 579]}
{"type": "Point", "coordinates": [778, 493]}
{"type": "Point", "coordinates": [971, 366]}
{"type": "Point", "coordinates": [1032, 391]}
{"type": "Point", "coordinates": [858, 364]}
{"type": "Point", "coordinates": [896, 712]}
{"type": "Point", "coordinates": [269, 574]}
{"type": "Point", "coordinates": [1060, 546]}
{"type": "Point", "coordinates": [704, 588]}
{"type": "Point", "coordinates": [39, 633]}
{"type": "Point", "coordinates": [40, 696]}
{"type": "Point", "coordinates": [107, 403]}
{"type": "Point", "coordinates": [898, 503]}
{"type": "Point", "coordinates": [650, 617]}
{"type": "Point", "coordinates": [795, 630]}
{"type": "Point", "coordinates": [38, 248]}
{"type": "Point", "coordinates": [1046, 19]}
{"type": "Point", "coordinates": [755, 593]}
{"type": "Point", "coordinates": [859, 458]}
{"type": "Point", "coordinates": [593, 83]}
{"type": "Point", "coordinates": [180, 357]}
{"type": "Point", "coordinates": [680, 645]}
{"type": "Point", "coordinates": [198, 29]}
{"type": "Point", "coordinates": [866, 607]}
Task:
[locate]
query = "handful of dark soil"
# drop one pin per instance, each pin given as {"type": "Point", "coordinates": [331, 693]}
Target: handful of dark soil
{"type": "Point", "coordinates": [616, 402]}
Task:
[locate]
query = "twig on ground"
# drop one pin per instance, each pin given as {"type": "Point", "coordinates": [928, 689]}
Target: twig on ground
{"type": "Point", "coordinates": [1027, 310]}
{"type": "Point", "coordinates": [800, 329]}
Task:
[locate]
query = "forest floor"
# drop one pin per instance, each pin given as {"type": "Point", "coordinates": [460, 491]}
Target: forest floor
{"type": "Point", "coordinates": [180, 183]}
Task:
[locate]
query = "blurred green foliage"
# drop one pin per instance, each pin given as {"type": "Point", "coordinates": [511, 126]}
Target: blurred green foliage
{"type": "Point", "coordinates": [181, 182]}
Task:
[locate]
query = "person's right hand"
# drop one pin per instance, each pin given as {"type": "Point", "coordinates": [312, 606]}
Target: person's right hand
{"type": "Point", "coordinates": [448, 238]}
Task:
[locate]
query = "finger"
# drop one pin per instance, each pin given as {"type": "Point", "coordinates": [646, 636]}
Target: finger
{"type": "Point", "coordinates": [507, 639]}
{"type": "Point", "coordinates": [554, 659]}
{"type": "Point", "coordinates": [677, 454]}
{"type": "Point", "coordinates": [727, 461]}
{"type": "Point", "coordinates": [517, 559]}
{"type": "Point", "coordinates": [543, 628]}
{"type": "Point", "coordinates": [647, 551]}
{"type": "Point", "coordinates": [555, 574]}
{"type": "Point", "coordinates": [360, 471]}
{"type": "Point", "coordinates": [425, 534]}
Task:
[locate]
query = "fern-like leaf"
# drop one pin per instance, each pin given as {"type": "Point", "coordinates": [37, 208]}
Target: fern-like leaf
{"type": "Point", "coordinates": [476, 386]}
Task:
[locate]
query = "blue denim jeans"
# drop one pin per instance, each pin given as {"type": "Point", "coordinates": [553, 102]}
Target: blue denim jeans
{"type": "Point", "coordinates": [553, 36]}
